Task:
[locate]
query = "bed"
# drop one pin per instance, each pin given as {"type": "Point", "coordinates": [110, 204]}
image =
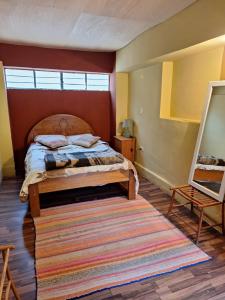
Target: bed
{"type": "Point", "coordinates": [44, 181]}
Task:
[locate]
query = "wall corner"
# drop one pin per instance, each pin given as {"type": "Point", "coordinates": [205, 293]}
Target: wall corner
{"type": "Point", "coordinates": [6, 149]}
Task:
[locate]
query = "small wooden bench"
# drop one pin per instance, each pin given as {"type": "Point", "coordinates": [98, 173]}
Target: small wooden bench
{"type": "Point", "coordinates": [199, 201]}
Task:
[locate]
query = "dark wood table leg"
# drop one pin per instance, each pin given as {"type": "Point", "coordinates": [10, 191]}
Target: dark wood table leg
{"type": "Point", "coordinates": [201, 211]}
{"type": "Point", "coordinates": [171, 202]}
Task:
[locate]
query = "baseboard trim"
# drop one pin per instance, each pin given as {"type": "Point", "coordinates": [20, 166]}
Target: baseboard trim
{"type": "Point", "coordinates": [158, 180]}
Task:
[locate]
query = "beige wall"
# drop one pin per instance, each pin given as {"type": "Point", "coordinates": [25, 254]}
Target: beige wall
{"type": "Point", "coordinates": [166, 89]}
{"type": "Point", "coordinates": [203, 20]}
{"type": "Point", "coordinates": [167, 145]}
{"type": "Point", "coordinates": [6, 151]}
{"type": "Point", "coordinates": [191, 76]}
{"type": "Point", "coordinates": [121, 99]}
{"type": "Point", "coordinates": [223, 67]}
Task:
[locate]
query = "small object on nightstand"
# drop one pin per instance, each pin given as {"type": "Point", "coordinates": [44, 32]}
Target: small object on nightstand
{"type": "Point", "coordinates": [125, 146]}
{"type": "Point", "coordinates": [127, 128]}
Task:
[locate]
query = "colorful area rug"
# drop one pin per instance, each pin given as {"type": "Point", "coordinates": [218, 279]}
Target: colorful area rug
{"type": "Point", "coordinates": [86, 247]}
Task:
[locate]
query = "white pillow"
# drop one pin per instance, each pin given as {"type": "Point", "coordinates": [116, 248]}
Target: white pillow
{"type": "Point", "coordinates": [52, 141]}
{"type": "Point", "coordinates": [84, 140]}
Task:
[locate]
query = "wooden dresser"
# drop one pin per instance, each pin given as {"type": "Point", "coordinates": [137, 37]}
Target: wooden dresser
{"type": "Point", "coordinates": [125, 146]}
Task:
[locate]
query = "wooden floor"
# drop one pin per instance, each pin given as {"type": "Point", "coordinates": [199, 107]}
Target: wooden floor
{"type": "Point", "coordinates": [201, 282]}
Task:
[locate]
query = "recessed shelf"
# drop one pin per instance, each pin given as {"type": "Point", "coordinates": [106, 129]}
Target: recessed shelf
{"type": "Point", "coordinates": [183, 120]}
{"type": "Point", "coordinates": [185, 82]}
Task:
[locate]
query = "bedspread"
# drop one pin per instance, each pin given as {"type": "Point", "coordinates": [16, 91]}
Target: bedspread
{"type": "Point", "coordinates": [82, 159]}
{"type": "Point", "coordinates": [36, 170]}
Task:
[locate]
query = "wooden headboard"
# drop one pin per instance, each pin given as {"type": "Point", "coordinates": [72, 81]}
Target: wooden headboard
{"type": "Point", "coordinates": [59, 124]}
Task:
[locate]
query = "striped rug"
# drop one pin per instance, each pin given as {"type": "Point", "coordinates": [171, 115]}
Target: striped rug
{"type": "Point", "coordinates": [86, 247]}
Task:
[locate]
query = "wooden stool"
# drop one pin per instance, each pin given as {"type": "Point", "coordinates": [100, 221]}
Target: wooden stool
{"type": "Point", "coordinates": [5, 272]}
{"type": "Point", "coordinates": [199, 201]}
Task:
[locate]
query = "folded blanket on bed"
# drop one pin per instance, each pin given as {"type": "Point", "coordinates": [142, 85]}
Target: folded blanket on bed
{"type": "Point", "coordinates": [81, 159]}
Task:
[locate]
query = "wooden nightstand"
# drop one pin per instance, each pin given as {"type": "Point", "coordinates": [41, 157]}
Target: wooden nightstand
{"type": "Point", "coordinates": [125, 146]}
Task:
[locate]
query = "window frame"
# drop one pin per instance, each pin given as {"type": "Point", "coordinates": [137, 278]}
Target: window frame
{"type": "Point", "coordinates": [61, 83]}
{"type": "Point", "coordinates": [31, 77]}
{"type": "Point", "coordinates": [36, 77]}
{"type": "Point", "coordinates": [74, 72]}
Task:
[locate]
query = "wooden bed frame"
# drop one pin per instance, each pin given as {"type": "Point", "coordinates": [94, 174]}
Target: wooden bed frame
{"type": "Point", "coordinates": [71, 125]}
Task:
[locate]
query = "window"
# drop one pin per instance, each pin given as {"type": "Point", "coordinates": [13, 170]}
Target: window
{"type": "Point", "coordinates": [55, 80]}
{"type": "Point", "coordinates": [98, 82]}
{"type": "Point", "coordinates": [74, 81]}
{"type": "Point", "coordinates": [18, 78]}
{"type": "Point", "coordinates": [47, 80]}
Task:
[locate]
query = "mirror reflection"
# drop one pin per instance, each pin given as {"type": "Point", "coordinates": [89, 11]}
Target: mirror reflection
{"type": "Point", "coordinates": [210, 165]}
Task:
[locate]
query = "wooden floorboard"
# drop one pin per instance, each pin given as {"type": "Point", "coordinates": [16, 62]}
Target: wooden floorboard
{"type": "Point", "coordinates": [201, 282]}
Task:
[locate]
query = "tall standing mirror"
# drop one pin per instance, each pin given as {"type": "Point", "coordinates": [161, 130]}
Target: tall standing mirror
{"type": "Point", "coordinates": [208, 165]}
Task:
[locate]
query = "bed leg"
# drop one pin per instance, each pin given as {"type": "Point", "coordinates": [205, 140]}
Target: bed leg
{"type": "Point", "coordinates": [34, 200]}
{"type": "Point", "coordinates": [131, 186]}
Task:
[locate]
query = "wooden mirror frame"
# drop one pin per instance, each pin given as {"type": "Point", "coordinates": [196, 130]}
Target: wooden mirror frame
{"type": "Point", "coordinates": [218, 196]}
{"type": "Point", "coordinates": [59, 124]}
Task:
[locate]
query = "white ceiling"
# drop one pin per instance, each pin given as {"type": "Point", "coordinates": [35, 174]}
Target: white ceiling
{"type": "Point", "coordinates": [82, 24]}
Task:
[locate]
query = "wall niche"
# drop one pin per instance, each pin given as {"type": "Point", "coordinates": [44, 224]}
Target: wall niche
{"type": "Point", "coordinates": [185, 80]}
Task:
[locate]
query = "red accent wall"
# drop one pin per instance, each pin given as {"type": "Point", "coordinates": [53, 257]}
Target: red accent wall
{"type": "Point", "coordinates": [113, 105]}
{"type": "Point", "coordinates": [49, 58]}
{"type": "Point", "coordinates": [27, 107]}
